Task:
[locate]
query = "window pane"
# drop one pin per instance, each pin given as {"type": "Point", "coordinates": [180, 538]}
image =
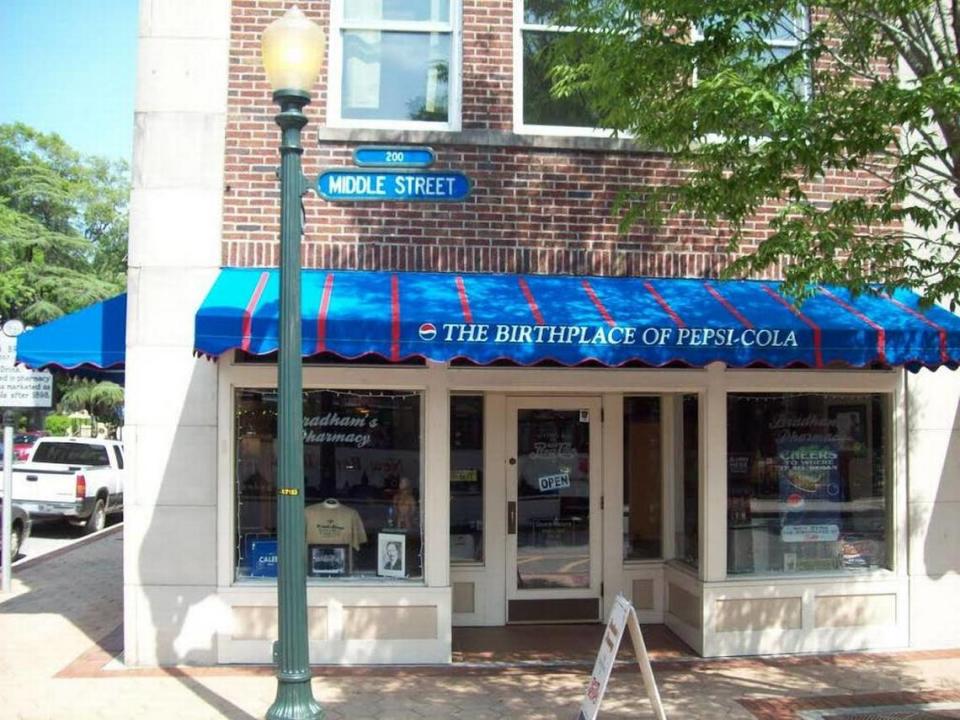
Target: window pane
{"type": "Point", "coordinates": [807, 483]}
{"type": "Point", "coordinates": [409, 10]}
{"type": "Point", "coordinates": [687, 520]}
{"type": "Point", "coordinates": [553, 499]}
{"type": "Point", "coordinates": [466, 479]}
{"type": "Point", "coordinates": [362, 484]}
{"type": "Point", "coordinates": [642, 497]}
{"type": "Point", "coordinates": [542, 12]}
{"type": "Point", "coordinates": [395, 75]}
{"type": "Point", "coordinates": [539, 105]}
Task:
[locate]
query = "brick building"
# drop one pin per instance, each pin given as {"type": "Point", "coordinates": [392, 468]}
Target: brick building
{"type": "Point", "coordinates": [791, 497]}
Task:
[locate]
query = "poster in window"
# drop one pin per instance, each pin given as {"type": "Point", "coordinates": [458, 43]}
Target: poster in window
{"type": "Point", "coordinates": [809, 490]}
{"type": "Point", "coordinates": [328, 560]}
{"type": "Point", "coordinates": [391, 555]}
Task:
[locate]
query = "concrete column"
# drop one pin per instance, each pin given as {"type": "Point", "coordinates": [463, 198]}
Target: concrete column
{"type": "Point", "coordinates": [171, 408]}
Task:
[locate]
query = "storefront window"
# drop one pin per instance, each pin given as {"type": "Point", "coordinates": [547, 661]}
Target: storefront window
{"type": "Point", "coordinates": [642, 483]}
{"type": "Point", "coordinates": [687, 500]}
{"type": "Point", "coordinates": [362, 484]}
{"type": "Point", "coordinates": [808, 483]}
{"type": "Point", "coordinates": [466, 478]}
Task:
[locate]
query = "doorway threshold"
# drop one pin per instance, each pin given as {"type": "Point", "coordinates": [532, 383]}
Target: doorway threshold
{"type": "Point", "coordinates": [566, 645]}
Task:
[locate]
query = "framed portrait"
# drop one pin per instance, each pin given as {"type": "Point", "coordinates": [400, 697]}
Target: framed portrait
{"type": "Point", "coordinates": [392, 555]}
{"type": "Point", "coordinates": [850, 422]}
{"type": "Point", "coordinates": [328, 560]}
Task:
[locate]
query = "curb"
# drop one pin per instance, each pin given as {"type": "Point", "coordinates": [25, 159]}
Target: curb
{"type": "Point", "coordinates": [79, 542]}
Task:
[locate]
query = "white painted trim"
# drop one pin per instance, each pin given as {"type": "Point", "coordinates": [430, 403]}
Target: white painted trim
{"type": "Point", "coordinates": [614, 579]}
{"type": "Point", "coordinates": [671, 472]}
{"type": "Point", "coordinates": [435, 456]}
{"type": "Point", "coordinates": [335, 69]}
{"type": "Point", "coordinates": [713, 510]}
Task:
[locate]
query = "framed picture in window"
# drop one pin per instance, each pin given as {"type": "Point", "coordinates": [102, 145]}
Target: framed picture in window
{"type": "Point", "coordinates": [391, 555]}
{"type": "Point", "coordinates": [328, 560]}
{"type": "Point", "coordinates": [850, 425]}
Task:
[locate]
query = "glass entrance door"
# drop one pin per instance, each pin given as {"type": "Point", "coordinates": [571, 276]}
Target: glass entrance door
{"type": "Point", "coordinates": [553, 510]}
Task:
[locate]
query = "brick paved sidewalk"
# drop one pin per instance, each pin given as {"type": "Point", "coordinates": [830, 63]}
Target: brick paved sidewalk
{"type": "Point", "coordinates": [61, 639]}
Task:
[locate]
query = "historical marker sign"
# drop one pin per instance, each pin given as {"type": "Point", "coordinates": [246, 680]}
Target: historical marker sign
{"type": "Point", "coordinates": [393, 156]}
{"type": "Point", "coordinates": [20, 387]}
{"type": "Point", "coordinates": [349, 185]}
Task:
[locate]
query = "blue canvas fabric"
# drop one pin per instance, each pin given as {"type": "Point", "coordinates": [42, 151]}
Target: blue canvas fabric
{"type": "Point", "coordinates": [571, 320]}
{"type": "Point", "coordinates": [94, 337]}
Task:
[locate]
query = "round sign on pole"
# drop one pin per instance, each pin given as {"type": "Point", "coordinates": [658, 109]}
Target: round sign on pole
{"type": "Point", "coordinates": [13, 328]}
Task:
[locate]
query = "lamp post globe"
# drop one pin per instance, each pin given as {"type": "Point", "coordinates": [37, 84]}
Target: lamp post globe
{"type": "Point", "coordinates": [292, 52]}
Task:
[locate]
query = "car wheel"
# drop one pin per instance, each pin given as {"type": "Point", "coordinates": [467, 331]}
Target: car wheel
{"type": "Point", "coordinates": [98, 518]}
{"type": "Point", "coordinates": [16, 538]}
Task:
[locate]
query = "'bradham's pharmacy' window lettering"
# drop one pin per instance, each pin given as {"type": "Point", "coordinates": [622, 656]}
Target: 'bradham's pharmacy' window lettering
{"type": "Point", "coordinates": [808, 485]}
{"type": "Point", "coordinates": [362, 485]}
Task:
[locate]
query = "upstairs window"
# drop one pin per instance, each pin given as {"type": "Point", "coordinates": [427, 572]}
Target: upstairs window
{"type": "Point", "coordinates": [395, 64]}
{"type": "Point", "coordinates": [535, 107]}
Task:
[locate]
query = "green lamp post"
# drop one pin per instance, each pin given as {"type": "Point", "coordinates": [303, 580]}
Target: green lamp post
{"type": "Point", "coordinates": [292, 50]}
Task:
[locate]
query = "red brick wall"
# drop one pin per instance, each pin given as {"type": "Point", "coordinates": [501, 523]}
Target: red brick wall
{"type": "Point", "coordinates": [536, 211]}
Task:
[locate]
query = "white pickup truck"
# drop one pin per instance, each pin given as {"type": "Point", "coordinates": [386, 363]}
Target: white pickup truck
{"type": "Point", "coordinates": [77, 479]}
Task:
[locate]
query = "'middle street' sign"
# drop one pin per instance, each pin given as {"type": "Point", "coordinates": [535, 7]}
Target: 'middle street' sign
{"type": "Point", "coordinates": [349, 185]}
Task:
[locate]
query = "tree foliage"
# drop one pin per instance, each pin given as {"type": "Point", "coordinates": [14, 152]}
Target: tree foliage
{"type": "Point", "coordinates": [63, 226]}
{"type": "Point", "coordinates": [102, 400]}
{"type": "Point", "coordinates": [868, 87]}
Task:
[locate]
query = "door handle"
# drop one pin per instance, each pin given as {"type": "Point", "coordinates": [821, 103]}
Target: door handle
{"type": "Point", "coordinates": [511, 517]}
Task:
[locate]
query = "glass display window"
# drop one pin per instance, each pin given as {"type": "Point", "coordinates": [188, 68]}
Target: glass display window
{"type": "Point", "coordinates": [362, 484]}
{"type": "Point", "coordinates": [808, 483]}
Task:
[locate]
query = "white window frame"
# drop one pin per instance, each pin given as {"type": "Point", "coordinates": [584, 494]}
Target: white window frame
{"type": "Point", "coordinates": [801, 23]}
{"type": "Point", "coordinates": [338, 24]}
{"type": "Point", "coordinates": [519, 27]}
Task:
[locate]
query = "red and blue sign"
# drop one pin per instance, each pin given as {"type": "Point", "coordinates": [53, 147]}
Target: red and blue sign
{"type": "Point", "coordinates": [566, 320]}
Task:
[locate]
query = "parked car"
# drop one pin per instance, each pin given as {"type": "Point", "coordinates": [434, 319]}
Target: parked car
{"type": "Point", "coordinates": [19, 532]}
{"type": "Point", "coordinates": [23, 442]}
{"type": "Point", "coordinates": [77, 479]}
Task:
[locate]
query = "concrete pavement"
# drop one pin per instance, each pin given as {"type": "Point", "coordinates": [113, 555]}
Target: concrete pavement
{"type": "Point", "coordinates": [61, 644]}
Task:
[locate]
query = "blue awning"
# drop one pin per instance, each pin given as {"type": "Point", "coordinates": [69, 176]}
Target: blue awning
{"type": "Point", "coordinates": [94, 337]}
{"type": "Point", "coordinates": [531, 319]}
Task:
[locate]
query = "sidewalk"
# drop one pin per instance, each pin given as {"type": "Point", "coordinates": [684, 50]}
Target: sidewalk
{"type": "Point", "coordinates": [61, 634]}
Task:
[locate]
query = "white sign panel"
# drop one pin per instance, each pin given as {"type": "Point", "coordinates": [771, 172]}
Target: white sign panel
{"type": "Point", "coordinates": [8, 351]}
{"type": "Point", "coordinates": [25, 388]}
{"type": "Point", "coordinates": [554, 482]}
{"type": "Point", "coordinates": [622, 616]}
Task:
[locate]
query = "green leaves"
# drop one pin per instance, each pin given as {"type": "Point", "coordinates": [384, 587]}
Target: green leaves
{"type": "Point", "coordinates": [824, 143]}
{"type": "Point", "coordinates": [63, 226]}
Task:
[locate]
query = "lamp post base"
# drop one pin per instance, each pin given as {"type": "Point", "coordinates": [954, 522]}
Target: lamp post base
{"type": "Point", "coordinates": [295, 702]}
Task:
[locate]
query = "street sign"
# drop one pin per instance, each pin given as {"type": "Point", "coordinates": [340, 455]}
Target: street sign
{"type": "Point", "coordinates": [393, 156]}
{"type": "Point", "coordinates": [392, 185]}
{"type": "Point", "coordinates": [20, 388]}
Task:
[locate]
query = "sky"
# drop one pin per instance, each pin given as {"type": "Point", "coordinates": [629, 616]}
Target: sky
{"type": "Point", "coordinates": [69, 66]}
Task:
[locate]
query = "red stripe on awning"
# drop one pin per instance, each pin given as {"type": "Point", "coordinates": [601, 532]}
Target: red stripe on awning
{"type": "Point", "coordinates": [395, 317]}
{"type": "Point", "coordinates": [941, 331]}
{"type": "Point", "coordinates": [817, 334]}
{"type": "Point", "coordinates": [663, 303]}
{"type": "Point", "coordinates": [247, 332]}
{"type": "Point", "coordinates": [464, 301]}
{"type": "Point", "coordinates": [881, 334]}
{"type": "Point", "coordinates": [596, 301]}
{"type": "Point", "coordinates": [531, 301]}
{"type": "Point", "coordinates": [322, 316]}
{"type": "Point", "coordinates": [726, 304]}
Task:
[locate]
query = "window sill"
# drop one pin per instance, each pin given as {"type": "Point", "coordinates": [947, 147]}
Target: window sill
{"type": "Point", "coordinates": [489, 138]}
{"type": "Point", "coordinates": [852, 576]}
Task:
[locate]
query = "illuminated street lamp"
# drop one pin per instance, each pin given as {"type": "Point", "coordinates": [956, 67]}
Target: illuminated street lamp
{"type": "Point", "coordinates": [292, 49]}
